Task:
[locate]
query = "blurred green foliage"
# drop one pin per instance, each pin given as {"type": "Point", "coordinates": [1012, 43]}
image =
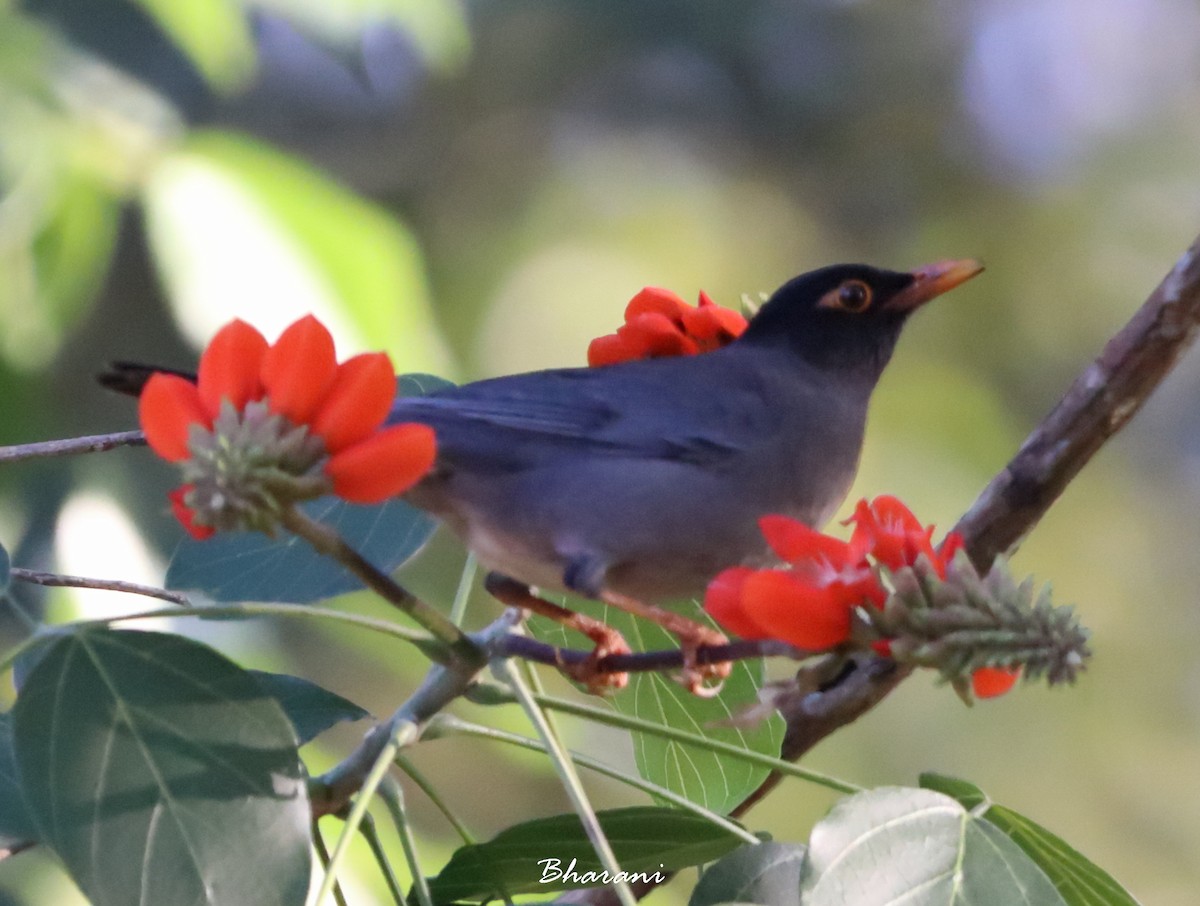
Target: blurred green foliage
{"type": "Point", "coordinates": [501, 179]}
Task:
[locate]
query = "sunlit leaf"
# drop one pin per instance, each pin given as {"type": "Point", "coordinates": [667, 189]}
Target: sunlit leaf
{"type": "Point", "coordinates": [311, 708]}
{"type": "Point", "coordinates": [16, 824]}
{"type": "Point", "coordinates": [716, 781]}
{"type": "Point", "coordinates": [215, 34]}
{"type": "Point", "coordinates": [892, 845]}
{"type": "Point", "coordinates": [71, 252]}
{"type": "Point", "coordinates": [239, 229]}
{"type": "Point", "coordinates": [161, 772]}
{"type": "Point", "coordinates": [768, 873]}
{"type": "Point", "coordinates": [1080, 881]}
{"type": "Point", "coordinates": [538, 856]}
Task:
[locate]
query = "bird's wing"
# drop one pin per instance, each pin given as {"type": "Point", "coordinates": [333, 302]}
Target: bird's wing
{"type": "Point", "coordinates": [526, 420]}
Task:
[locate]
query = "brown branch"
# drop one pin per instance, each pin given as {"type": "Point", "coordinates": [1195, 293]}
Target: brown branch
{"type": "Point", "coordinates": [63, 581]}
{"type": "Point", "coordinates": [96, 443]}
{"type": "Point", "coordinates": [1098, 404]}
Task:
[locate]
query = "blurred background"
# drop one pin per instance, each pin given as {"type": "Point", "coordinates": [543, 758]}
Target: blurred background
{"type": "Point", "coordinates": [479, 187]}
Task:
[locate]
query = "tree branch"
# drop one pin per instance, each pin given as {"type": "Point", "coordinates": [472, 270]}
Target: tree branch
{"type": "Point", "coordinates": [96, 443]}
{"type": "Point", "coordinates": [1098, 404]}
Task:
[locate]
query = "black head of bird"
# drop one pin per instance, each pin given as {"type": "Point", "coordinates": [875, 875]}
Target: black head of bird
{"type": "Point", "coordinates": [847, 317]}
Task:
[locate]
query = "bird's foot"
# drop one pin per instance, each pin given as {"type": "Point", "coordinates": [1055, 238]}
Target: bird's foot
{"type": "Point", "coordinates": [700, 675]}
{"type": "Point", "coordinates": [607, 640]}
{"type": "Point", "coordinates": [588, 672]}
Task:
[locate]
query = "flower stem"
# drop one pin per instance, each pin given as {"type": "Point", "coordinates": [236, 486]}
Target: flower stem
{"type": "Point", "coordinates": [393, 797]}
{"type": "Point", "coordinates": [497, 696]}
{"type": "Point", "coordinates": [507, 671]}
{"type": "Point", "coordinates": [401, 734]}
{"type": "Point", "coordinates": [327, 541]}
{"type": "Point", "coordinates": [449, 725]}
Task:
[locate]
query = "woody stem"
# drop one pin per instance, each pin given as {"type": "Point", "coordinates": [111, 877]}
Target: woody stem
{"type": "Point", "coordinates": [327, 541]}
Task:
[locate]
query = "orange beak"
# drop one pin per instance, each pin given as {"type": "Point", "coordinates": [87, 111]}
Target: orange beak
{"type": "Point", "coordinates": [932, 280]}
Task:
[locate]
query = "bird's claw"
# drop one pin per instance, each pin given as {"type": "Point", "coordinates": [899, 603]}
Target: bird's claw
{"type": "Point", "coordinates": [704, 680]}
{"type": "Point", "coordinates": [588, 672]}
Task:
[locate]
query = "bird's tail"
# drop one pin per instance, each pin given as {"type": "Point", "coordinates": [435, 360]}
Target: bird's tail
{"type": "Point", "coordinates": [130, 378]}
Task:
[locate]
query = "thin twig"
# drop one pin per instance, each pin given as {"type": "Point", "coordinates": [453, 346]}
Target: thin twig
{"type": "Point", "coordinates": [339, 898]}
{"type": "Point", "coordinates": [326, 540]}
{"type": "Point", "coordinates": [59, 580]}
{"type": "Point", "coordinates": [96, 443]}
{"type": "Point", "coordinates": [494, 695]}
{"type": "Point", "coordinates": [400, 734]}
{"type": "Point", "coordinates": [332, 791]}
{"type": "Point", "coordinates": [404, 763]}
{"type": "Point", "coordinates": [530, 649]}
{"type": "Point", "coordinates": [568, 777]}
{"type": "Point", "coordinates": [448, 725]}
{"type": "Point", "coordinates": [392, 795]}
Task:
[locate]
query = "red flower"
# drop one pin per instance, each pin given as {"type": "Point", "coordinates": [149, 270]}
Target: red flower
{"type": "Point", "coordinates": [186, 515]}
{"type": "Point", "coordinates": [808, 603]}
{"type": "Point", "coordinates": [242, 382]}
{"type": "Point", "coordinates": [990, 682]}
{"type": "Point", "coordinates": [659, 324]}
{"type": "Point", "coordinates": [887, 530]}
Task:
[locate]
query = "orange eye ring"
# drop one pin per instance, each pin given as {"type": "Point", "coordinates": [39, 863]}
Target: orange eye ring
{"type": "Point", "coordinates": [853, 296]}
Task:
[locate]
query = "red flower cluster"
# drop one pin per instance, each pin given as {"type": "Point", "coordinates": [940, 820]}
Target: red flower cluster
{"type": "Point", "coordinates": [658, 324]}
{"type": "Point", "coordinates": [343, 407]}
{"type": "Point", "coordinates": [810, 602]}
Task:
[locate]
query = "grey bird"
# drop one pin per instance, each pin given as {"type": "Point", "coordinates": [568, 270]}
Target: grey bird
{"type": "Point", "coordinates": [636, 483]}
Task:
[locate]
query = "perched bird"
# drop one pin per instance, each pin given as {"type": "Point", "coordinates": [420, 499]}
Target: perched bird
{"type": "Point", "coordinates": [636, 483]}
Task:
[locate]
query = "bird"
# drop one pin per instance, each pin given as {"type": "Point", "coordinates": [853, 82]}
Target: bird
{"type": "Point", "coordinates": [636, 483]}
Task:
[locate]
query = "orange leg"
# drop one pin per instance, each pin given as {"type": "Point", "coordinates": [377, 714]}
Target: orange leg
{"type": "Point", "coordinates": [607, 640]}
{"type": "Point", "coordinates": [692, 636]}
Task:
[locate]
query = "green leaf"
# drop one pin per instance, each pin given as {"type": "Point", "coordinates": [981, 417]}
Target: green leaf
{"type": "Point", "coordinates": [922, 848]}
{"type": "Point", "coordinates": [311, 708]}
{"type": "Point", "coordinates": [16, 824]}
{"type": "Point", "coordinates": [72, 250]}
{"type": "Point", "coordinates": [249, 566]}
{"type": "Point", "coordinates": [5, 570]}
{"type": "Point", "coordinates": [233, 222]}
{"type": "Point", "coordinates": [710, 779]}
{"type": "Point", "coordinates": [213, 33]}
{"type": "Point", "coordinates": [161, 772]}
{"type": "Point", "coordinates": [968, 794]}
{"type": "Point", "coordinates": [1080, 881]}
{"type": "Point", "coordinates": [540, 856]}
{"type": "Point", "coordinates": [768, 873]}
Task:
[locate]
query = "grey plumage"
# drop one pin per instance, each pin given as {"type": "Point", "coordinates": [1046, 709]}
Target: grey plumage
{"type": "Point", "coordinates": [647, 478]}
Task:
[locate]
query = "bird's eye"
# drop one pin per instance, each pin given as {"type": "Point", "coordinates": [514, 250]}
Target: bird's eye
{"type": "Point", "coordinates": [854, 296]}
